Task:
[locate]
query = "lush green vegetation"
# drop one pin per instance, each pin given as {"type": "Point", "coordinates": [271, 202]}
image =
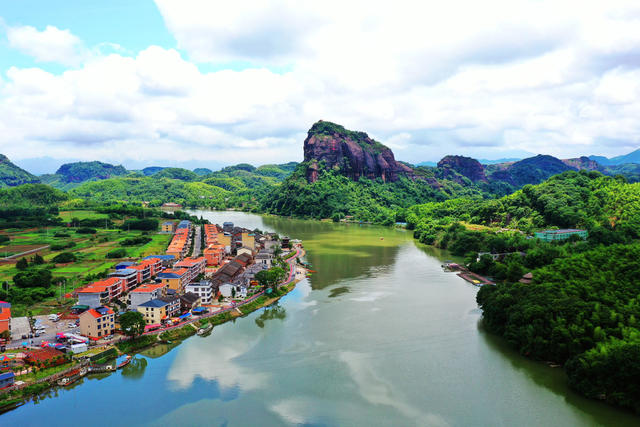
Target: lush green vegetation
{"type": "Point", "coordinates": [70, 175]}
{"type": "Point", "coordinates": [136, 344]}
{"type": "Point", "coordinates": [154, 190]}
{"type": "Point", "coordinates": [178, 333]}
{"type": "Point", "coordinates": [11, 175]}
{"type": "Point", "coordinates": [132, 323]}
{"type": "Point", "coordinates": [336, 196]}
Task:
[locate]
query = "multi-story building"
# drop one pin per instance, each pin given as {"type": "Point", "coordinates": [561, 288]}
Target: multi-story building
{"type": "Point", "coordinates": [174, 278]}
{"type": "Point", "coordinates": [101, 292]}
{"type": "Point", "coordinates": [5, 317]}
{"type": "Point", "coordinates": [165, 261]}
{"type": "Point", "coordinates": [97, 322]}
{"type": "Point", "coordinates": [168, 227]}
{"type": "Point", "coordinates": [204, 290]}
{"type": "Point", "coordinates": [153, 311]}
{"type": "Point", "coordinates": [248, 240]}
{"type": "Point", "coordinates": [146, 292]}
{"type": "Point", "coordinates": [128, 276]}
{"type": "Point", "coordinates": [173, 305]}
{"type": "Point", "coordinates": [194, 266]}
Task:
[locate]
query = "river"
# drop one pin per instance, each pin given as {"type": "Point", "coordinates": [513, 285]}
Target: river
{"type": "Point", "coordinates": [378, 336]}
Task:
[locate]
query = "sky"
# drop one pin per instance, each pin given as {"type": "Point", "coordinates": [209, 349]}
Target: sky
{"type": "Point", "coordinates": [204, 83]}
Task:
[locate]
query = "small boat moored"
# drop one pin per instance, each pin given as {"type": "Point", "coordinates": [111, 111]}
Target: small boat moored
{"type": "Point", "coordinates": [125, 362]}
{"type": "Point", "coordinates": [205, 330]}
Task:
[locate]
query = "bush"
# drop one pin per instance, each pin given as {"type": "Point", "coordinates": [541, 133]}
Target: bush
{"type": "Point", "coordinates": [64, 258]}
{"type": "Point", "coordinates": [117, 253]}
{"type": "Point", "coordinates": [140, 224]}
{"type": "Point", "coordinates": [4, 238]}
{"type": "Point", "coordinates": [86, 230]}
{"type": "Point", "coordinates": [61, 234]}
{"type": "Point", "coordinates": [61, 246]}
{"type": "Point", "coordinates": [135, 241]}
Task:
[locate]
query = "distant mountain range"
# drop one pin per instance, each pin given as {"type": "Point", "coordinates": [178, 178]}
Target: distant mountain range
{"type": "Point", "coordinates": [330, 145]}
{"type": "Point", "coordinates": [633, 157]}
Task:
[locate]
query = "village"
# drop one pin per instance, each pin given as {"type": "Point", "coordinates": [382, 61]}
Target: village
{"type": "Point", "coordinates": [206, 270]}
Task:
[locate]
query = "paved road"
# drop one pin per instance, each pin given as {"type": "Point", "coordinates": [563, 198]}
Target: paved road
{"type": "Point", "coordinates": [197, 244]}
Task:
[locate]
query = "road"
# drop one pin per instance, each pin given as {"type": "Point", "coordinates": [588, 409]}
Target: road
{"type": "Point", "coordinates": [197, 243]}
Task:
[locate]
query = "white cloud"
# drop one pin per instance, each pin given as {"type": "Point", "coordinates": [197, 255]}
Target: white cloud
{"type": "Point", "coordinates": [50, 45]}
{"type": "Point", "coordinates": [430, 78]}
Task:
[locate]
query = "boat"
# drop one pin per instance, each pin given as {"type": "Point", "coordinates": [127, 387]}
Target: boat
{"type": "Point", "coordinates": [72, 377]}
{"type": "Point", "coordinates": [204, 330]}
{"type": "Point", "coordinates": [124, 363]}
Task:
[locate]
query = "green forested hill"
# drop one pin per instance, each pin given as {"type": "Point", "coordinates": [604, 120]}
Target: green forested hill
{"type": "Point", "coordinates": [334, 195]}
{"type": "Point", "coordinates": [12, 175]}
{"type": "Point", "coordinates": [573, 199]}
{"type": "Point", "coordinates": [153, 190]}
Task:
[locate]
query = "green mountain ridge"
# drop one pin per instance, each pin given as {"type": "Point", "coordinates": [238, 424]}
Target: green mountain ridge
{"type": "Point", "coordinates": [12, 175]}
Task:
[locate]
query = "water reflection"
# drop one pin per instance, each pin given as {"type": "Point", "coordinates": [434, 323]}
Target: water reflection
{"type": "Point", "coordinates": [273, 312]}
{"type": "Point", "coordinates": [335, 292]}
{"type": "Point", "coordinates": [159, 350]}
{"type": "Point", "coordinates": [135, 369]}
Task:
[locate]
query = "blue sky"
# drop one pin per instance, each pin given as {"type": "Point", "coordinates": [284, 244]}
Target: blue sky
{"type": "Point", "coordinates": [198, 83]}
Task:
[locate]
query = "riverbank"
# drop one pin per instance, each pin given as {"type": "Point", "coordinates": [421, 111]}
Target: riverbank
{"type": "Point", "coordinates": [15, 396]}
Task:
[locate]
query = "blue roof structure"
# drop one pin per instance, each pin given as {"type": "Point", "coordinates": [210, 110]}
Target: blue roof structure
{"type": "Point", "coordinates": [155, 303]}
{"type": "Point", "coordinates": [184, 224]}
{"type": "Point", "coordinates": [124, 272]}
{"type": "Point", "coordinates": [162, 257]}
{"type": "Point", "coordinates": [168, 276]}
{"type": "Point", "coordinates": [7, 375]}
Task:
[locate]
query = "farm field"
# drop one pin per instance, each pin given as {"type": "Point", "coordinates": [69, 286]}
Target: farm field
{"type": "Point", "coordinates": [81, 214]}
{"type": "Point", "coordinates": [90, 251]}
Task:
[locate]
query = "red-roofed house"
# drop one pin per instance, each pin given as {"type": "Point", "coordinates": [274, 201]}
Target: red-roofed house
{"type": "Point", "coordinates": [101, 292]}
{"type": "Point", "coordinates": [5, 317]}
{"type": "Point", "coordinates": [195, 266]}
{"type": "Point", "coordinates": [146, 292]}
{"type": "Point", "coordinates": [97, 322]}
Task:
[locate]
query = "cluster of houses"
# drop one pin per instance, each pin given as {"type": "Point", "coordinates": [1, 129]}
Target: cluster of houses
{"type": "Point", "coordinates": [167, 288]}
{"type": "Point", "coordinates": [181, 241]}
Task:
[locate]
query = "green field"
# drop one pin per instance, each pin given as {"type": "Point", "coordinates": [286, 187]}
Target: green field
{"type": "Point", "coordinates": [68, 215]}
{"type": "Point", "coordinates": [90, 250]}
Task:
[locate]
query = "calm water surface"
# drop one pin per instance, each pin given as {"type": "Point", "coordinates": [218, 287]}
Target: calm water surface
{"type": "Point", "coordinates": [379, 336]}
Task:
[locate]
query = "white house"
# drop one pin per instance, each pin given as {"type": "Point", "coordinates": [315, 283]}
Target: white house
{"type": "Point", "coordinates": [226, 290]}
{"type": "Point", "coordinates": [203, 289]}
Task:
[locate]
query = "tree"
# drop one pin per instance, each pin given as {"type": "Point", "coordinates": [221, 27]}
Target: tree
{"type": "Point", "coordinates": [271, 278]}
{"type": "Point", "coordinates": [64, 257]}
{"type": "Point", "coordinates": [22, 264]}
{"type": "Point", "coordinates": [38, 260]}
{"type": "Point", "coordinates": [132, 323]}
{"type": "Point", "coordinates": [33, 279]}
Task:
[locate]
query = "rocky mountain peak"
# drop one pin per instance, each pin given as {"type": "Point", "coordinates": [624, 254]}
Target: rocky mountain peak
{"type": "Point", "coordinates": [353, 154]}
{"type": "Point", "coordinates": [465, 166]}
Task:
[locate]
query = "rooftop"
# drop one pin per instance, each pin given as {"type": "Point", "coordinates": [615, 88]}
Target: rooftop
{"type": "Point", "coordinates": [154, 303]}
